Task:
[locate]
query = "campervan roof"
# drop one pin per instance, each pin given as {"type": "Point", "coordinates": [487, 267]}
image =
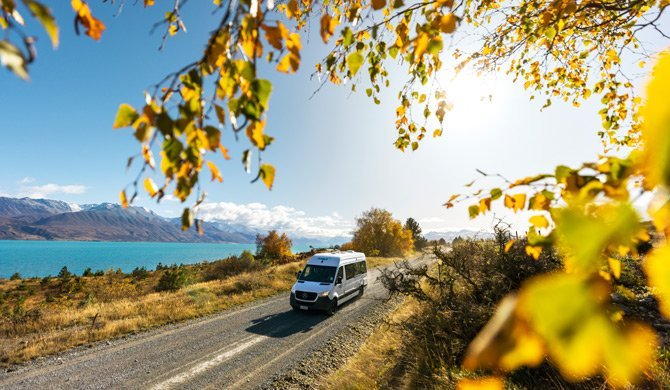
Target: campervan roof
{"type": "Point", "coordinates": [334, 258]}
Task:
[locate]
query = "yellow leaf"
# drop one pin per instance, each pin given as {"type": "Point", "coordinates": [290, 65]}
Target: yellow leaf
{"type": "Point", "coordinates": [533, 251]}
{"type": "Point", "coordinates": [484, 205]}
{"type": "Point", "coordinates": [490, 383]}
{"type": "Point", "coordinates": [445, 3]}
{"type": "Point", "coordinates": [291, 61]}
{"type": "Point", "coordinates": [378, 4]}
{"type": "Point", "coordinates": [216, 175]}
{"type": "Point", "coordinates": [566, 311]}
{"type": "Point", "coordinates": [44, 15]}
{"type": "Point", "coordinates": [124, 199]}
{"type": "Point", "coordinates": [656, 124]}
{"type": "Point", "coordinates": [420, 46]}
{"type": "Point", "coordinates": [505, 342]}
{"type": "Point", "coordinates": [657, 268]}
{"type": "Point", "coordinates": [615, 267]}
{"type": "Point", "coordinates": [515, 202]}
{"type": "Point", "coordinates": [255, 133]}
{"type": "Point", "coordinates": [224, 152]}
{"type": "Point", "coordinates": [125, 116]}
{"type": "Point", "coordinates": [448, 23]}
{"type": "Point", "coordinates": [267, 173]}
{"type": "Point", "coordinates": [539, 221]}
{"type": "Point", "coordinates": [509, 245]}
{"type": "Point", "coordinates": [292, 9]}
{"type": "Point", "coordinates": [274, 35]}
{"type": "Point", "coordinates": [94, 27]}
{"type": "Point", "coordinates": [328, 25]}
{"type": "Point", "coordinates": [584, 237]}
{"type": "Point", "coordinates": [149, 3]}
{"type": "Point", "coordinates": [151, 187]}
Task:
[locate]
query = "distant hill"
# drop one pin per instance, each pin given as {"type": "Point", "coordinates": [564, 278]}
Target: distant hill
{"type": "Point", "coordinates": [42, 219]}
{"type": "Point", "coordinates": [463, 233]}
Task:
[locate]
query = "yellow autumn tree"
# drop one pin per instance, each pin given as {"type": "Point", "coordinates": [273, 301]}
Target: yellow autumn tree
{"type": "Point", "coordinates": [378, 234]}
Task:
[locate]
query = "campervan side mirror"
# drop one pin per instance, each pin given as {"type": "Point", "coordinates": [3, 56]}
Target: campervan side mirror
{"type": "Point", "coordinates": [338, 280]}
{"type": "Point", "coordinates": [297, 274]}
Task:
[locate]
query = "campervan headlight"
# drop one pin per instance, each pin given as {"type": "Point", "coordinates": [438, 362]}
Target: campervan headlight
{"type": "Point", "coordinates": [324, 293]}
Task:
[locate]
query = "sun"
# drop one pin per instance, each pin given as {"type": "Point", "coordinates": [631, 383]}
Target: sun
{"type": "Point", "coordinates": [474, 99]}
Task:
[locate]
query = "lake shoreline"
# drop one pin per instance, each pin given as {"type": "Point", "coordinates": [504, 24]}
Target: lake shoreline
{"type": "Point", "coordinates": [41, 258]}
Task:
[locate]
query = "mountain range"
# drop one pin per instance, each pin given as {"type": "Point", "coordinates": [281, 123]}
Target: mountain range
{"type": "Point", "coordinates": [463, 233]}
{"type": "Point", "coordinates": [45, 219]}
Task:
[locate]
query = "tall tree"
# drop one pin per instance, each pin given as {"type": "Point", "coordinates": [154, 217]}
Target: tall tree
{"type": "Point", "coordinates": [413, 226]}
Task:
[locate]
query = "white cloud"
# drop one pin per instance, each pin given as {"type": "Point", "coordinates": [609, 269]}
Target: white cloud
{"type": "Point", "coordinates": [27, 180]}
{"type": "Point", "coordinates": [46, 190]}
{"type": "Point", "coordinates": [260, 217]}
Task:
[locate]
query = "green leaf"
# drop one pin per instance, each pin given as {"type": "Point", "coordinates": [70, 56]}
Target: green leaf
{"type": "Point", "coordinates": [43, 14]}
{"type": "Point", "coordinates": [262, 89]}
{"type": "Point", "coordinates": [393, 51]}
{"type": "Point", "coordinates": [354, 62]}
{"type": "Point", "coordinates": [473, 211]}
{"type": "Point", "coordinates": [125, 117]}
{"type": "Point", "coordinates": [496, 193]}
{"type": "Point", "coordinates": [348, 36]}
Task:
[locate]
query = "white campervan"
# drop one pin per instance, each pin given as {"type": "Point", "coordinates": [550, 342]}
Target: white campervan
{"type": "Point", "coordinates": [328, 280]}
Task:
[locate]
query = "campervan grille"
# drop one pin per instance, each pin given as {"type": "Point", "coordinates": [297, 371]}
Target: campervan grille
{"type": "Point", "coordinates": [305, 296]}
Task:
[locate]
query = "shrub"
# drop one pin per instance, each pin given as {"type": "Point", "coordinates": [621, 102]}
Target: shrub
{"type": "Point", "coordinates": [15, 276]}
{"type": "Point", "coordinates": [274, 248]}
{"type": "Point", "coordinates": [139, 273]}
{"type": "Point", "coordinates": [233, 265]}
{"type": "Point", "coordinates": [378, 234]}
{"type": "Point", "coordinates": [64, 273]}
{"type": "Point", "coordinates": [173, 279]}
{"type": "Point", "coordinates": [87, 272]}
{"type": "Point", "coordinates": [99, 273]}
{"type": "Point", "coordinates": [457, 298]}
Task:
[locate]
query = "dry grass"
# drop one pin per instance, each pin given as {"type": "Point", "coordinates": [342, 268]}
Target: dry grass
{"type": "Point", "coordinates": [42, 317]}
{"type": "Point", "coordinates": [59, 325]}
{"type": "Point", "coordinates": [375, 364]}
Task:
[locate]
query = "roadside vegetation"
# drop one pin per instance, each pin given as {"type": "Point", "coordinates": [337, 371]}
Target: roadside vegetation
{"type": "Point", "coordinates": [428, 338]}
{"type": "Point", "coordinates": [42, 316]}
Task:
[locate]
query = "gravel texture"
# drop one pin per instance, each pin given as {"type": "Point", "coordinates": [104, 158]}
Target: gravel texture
{"type": "Point", "coordinates": [311, 371]}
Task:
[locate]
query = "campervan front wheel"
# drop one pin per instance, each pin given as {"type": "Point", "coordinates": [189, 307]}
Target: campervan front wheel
{"type": "Point", "coordinates": [332, 308]}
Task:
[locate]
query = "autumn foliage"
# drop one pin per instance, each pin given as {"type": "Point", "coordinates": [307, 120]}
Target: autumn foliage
{"type": "Point", "coordinates": [378, 234]}
{"type": "Point", "coordinates": [274, 247]}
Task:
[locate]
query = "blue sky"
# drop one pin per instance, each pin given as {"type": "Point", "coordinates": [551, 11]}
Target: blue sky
{"type": "Point", "coordinates": [333, 153]}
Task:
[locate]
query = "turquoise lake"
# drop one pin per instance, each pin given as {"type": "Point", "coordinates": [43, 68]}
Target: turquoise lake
{"type": "Point", "coordinates": [43, 258]}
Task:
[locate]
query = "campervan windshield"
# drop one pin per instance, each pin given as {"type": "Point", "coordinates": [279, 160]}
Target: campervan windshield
{"type": "Point", "coordinates": [318, 273]}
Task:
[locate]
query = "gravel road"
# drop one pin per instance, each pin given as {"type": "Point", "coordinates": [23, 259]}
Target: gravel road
{"type": "Point", "coordinates": [237, 349]}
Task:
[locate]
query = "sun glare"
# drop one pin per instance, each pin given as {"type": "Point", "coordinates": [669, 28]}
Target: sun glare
{"type": "Point", "coordinates": [474, 98]}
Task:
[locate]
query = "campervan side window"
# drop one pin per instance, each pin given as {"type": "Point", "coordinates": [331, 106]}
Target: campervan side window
{"type": "Point", "coordinates": [351, 270]}
{"type": "Point", "coordinates": [355, 269]}
{"type": "Point", "coordinates": [362, 268]}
